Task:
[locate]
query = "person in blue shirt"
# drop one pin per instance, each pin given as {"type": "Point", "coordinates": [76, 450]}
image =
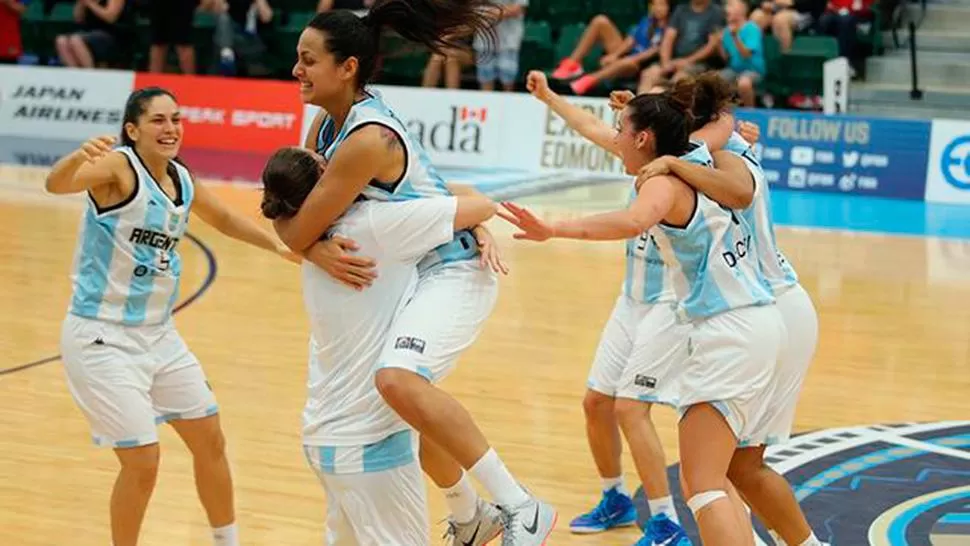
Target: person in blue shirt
{"type": "Point", "coordinates": [741, 46]}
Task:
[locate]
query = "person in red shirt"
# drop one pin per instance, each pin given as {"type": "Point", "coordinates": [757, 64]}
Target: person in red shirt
{"type": "Point", "coordinates": [10, 45]}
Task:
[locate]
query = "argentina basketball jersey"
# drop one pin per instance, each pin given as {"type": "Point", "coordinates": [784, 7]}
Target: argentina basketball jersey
{"type": "Point", "coordinates": [709, 259]}
{"type": "Point", "coordinates": [126, 266]}
{"type": "Point", "coordinates": [777, 271]}
{"type": "Point", "coordinates": [419, 180]}
{"type": "Point", "coordinates": [648, 278]}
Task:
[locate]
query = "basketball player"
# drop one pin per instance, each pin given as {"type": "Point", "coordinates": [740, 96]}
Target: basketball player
{"type": "Point", "coordinates": [720, 294]}
{"type": "Point", "coordinates": [364, 454]}
{"type": "Point", "coordinates": [127, 368]}
{"type": "Point", "coordinates": [737, 171]}
{"type": "Point", "coordinates": [370, 153]}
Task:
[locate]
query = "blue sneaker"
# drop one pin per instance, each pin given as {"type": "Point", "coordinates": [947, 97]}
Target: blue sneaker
{"type": "Point", "coordinates": [614, 510]}
{"type": "Point", "coordinates": [663, 532]}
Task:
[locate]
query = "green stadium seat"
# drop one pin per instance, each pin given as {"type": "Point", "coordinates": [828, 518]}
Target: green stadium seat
{"type": "Point", "coordinates": [536, 52]}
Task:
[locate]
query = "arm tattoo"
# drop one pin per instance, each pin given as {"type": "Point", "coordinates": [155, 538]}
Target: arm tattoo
{"type": "Point", "coordinates": [390, 138]}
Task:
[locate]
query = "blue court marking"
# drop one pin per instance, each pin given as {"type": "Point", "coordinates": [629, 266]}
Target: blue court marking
{"type": "Point", "coordinates": [210, 277]}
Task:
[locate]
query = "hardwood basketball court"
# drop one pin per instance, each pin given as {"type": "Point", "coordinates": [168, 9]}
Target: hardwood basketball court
{"type": "Point", "coordinates": [894, 347]}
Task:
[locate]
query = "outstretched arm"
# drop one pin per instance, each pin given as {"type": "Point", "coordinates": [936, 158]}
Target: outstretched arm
{"type": "Point", "coordinates": [654, 202]}
{"type": "Point", "coordinates": [358, 160]}
{"type": "Point", "coordinates": [235, 225]}
{"type": "Point", "coordinates": [582, 121]}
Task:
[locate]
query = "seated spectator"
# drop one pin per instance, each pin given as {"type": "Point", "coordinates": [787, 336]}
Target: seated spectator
{"type": "Point", "coordinates": [624, 56]}
{"type": "Point", "coordinates": [11, 47]}
{"type": "Point", "coordinates": [786, 17]}
{"type": "Point", "coordinates": [452, 63]}
{"type": "Point", "coordinates": [741, 46]}
{"type": "Point", "coordinates": [171, 22]}
{"type": "Point", "coordinates": [841, 19]}
{"type": "Point", "coordinates": [100, 37]}
{"type": "Point", "coordinates": [240, 25]}
{"type": "Point", "coordinates": [500, 61]}
{"type": "Point", "coordinates": [689, 44]}
{"type": "Point", "coordinates": [354, 5]}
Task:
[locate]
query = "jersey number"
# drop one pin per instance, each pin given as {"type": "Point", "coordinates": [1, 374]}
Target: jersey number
{"type": "Point", "coordinates": [163, 262]}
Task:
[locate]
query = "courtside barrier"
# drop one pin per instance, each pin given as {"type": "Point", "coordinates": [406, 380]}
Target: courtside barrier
{"type": "Point", "coordinates": [501, 132]}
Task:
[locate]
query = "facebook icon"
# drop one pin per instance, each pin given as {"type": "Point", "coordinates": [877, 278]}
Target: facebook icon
{"type": "Point", "coordinates": [955, 163]}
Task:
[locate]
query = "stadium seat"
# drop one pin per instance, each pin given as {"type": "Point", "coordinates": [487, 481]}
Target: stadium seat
{"type": "Point", "coordinates": [536, 52]}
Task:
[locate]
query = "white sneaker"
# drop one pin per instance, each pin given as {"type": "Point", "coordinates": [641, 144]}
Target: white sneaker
{"type": "Point", "coordinates": [484, 527]}
{"type": "Point", "coordinates": [528, 524]}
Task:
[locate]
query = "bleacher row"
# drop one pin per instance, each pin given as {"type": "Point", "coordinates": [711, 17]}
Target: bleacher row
{"type": "Point", "coordinates": [552, 29]}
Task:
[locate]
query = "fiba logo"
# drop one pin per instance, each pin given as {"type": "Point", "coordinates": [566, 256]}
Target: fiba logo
{"type": "Point", "coordinates": [955, 163]}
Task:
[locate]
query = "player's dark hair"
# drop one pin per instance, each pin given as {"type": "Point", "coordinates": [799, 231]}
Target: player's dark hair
{"type": "Point", "coordinates": [288, 178]}
{"type": "Point", "coordinates": [713, 96]}
{"type": "Point", "coordinates": [667, 114]}
{"type": "Point", "coordinates": [137, 105]}
{"type": "Point", "coordinates": [439, 25]}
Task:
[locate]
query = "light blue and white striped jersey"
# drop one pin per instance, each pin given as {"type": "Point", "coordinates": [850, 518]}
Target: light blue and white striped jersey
{"type": "Point", "coordinates": [709, 259]}
{"type": "Point", "coordinates": [648, 278]}
{"type": "Point", "coordinates": [419, 180]}
{"type": "Point", "coordinates": [777, 271]}
{"type": "Point", "coordinates": [126, 266]}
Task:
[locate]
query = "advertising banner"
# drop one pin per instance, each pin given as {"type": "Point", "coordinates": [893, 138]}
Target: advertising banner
{"type": "Point", "coordinates": [233, 114]}
{"type": "Point", "coordinates": [62, 103]}
{"type": "Point", "coordinates": [843, 154]}
{"type": "Point", "coordinates": [948, 172]}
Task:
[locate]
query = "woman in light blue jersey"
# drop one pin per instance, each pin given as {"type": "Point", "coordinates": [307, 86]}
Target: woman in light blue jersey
{"type": "Point", "coordinates": [127, 367]}
{"type": "Point", "coordinates": [738, 182]}
{"type": "Point", "coordinates": [371, 155]}
{"type": "Point", "coordinates": [734, 330]}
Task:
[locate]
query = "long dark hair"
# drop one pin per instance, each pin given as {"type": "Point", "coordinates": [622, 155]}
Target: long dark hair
{"type": "Point", "coordinates": [439, 25]}
{"type": "Point", "coordinates": [135, 107]}
{"type": "Point", "coordinates": [667, 114]}
{"type": "Point", "coordinates": [288, 178]}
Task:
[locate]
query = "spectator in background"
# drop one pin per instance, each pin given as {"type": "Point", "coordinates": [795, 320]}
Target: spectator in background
{"type": "Point", "coordinates": [238, 40]}
{"type": "Point", "coordinates": [171, 22]}
{"type": "Point", "coordinates": [841, 19]}
{"type": "Point", "coordinates": [354, 5]}
{"type": "Point", "coordinates": [786, 17]}
{"type": "Point", "coordinates": [11, 47]}
{"type": "Point", "coordinates": [100, 37]}
{"type": "Point", "coordinates": [452, 64]}
{"type": "Point", "coordinates": [502, 63]}
{"type": "Point", "coordinates": [624, 56]}
{"type": "Point", "coordinates": [741, 46]}
{"type": "Point", "coordinates": [689, 43]}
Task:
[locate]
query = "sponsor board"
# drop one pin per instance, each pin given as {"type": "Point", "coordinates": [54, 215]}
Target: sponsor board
{"type": "Point", "coordinates": [233, 114]}
{"type": "Point", "coordinates": [62, 103]}
{"type": "Point", "coordinates": [948, 171]}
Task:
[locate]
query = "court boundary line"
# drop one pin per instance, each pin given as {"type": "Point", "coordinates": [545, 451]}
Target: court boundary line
{"type": "Point", "coordinates": [210, 278]}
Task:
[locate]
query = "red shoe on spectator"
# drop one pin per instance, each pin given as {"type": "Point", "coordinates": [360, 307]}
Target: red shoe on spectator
{"type": "Point", "coordinates": [583, 84]}
{"type": "Point", "coordinates": [567, 69]}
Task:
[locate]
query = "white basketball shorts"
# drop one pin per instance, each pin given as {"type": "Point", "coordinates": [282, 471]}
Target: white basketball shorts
{"type": "Point", "coordinates": [385, 505]}
{"type": "Point", "coordinates": [731, 365]}
{"type": "Point", "coordinates": [129, 379]}
{"type": "Point", "coordinates": [801, 323]}
{"type": "Point", "coordinates": [641, 350]}
{"type": "Point", "coordinates": [443, 319]}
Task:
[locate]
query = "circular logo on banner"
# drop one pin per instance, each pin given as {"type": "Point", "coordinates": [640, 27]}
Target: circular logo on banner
{"type": "Point", "coordinates": [955, 163]}
{"type": "Point", "coordinates": [882, 485]}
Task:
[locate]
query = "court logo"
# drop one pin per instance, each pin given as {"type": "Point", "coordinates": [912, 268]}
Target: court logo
{"type": "Point", "coordinates": [955, 163]}
{"type": "Point", "coordinates": [905, 484]}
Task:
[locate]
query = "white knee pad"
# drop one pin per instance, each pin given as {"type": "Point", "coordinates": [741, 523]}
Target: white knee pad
{"type": "Point", "coordinates": [700, 500]}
